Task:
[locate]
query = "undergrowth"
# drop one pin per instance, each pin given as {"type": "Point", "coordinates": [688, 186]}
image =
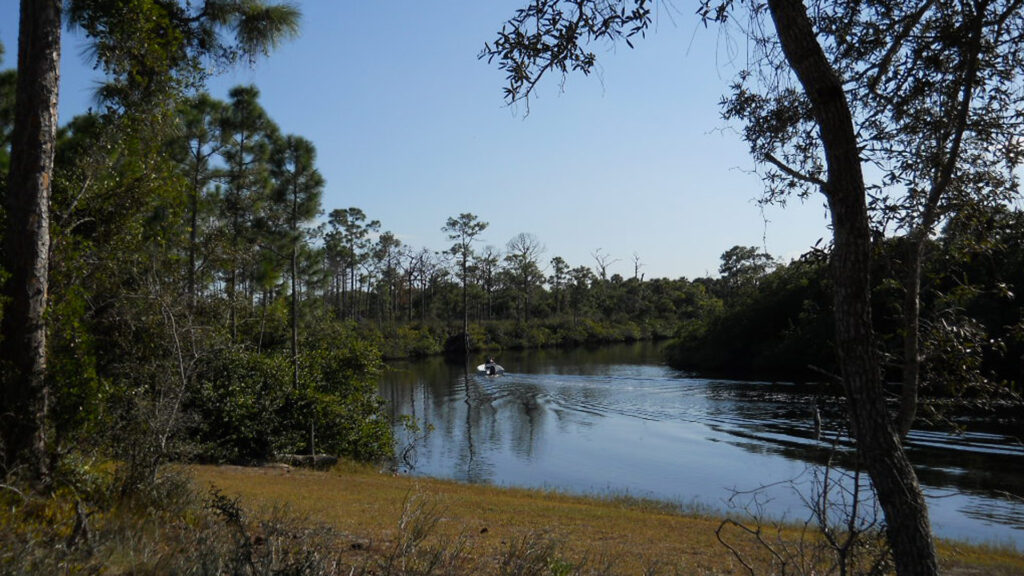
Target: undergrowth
{"type": "Point", "coordinates": [168, 529]}
{"type": "Point", "coordinates": [89, 526]}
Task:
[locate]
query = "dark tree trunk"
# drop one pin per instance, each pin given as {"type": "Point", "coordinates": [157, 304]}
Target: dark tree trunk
{"type": "Point", "coordinates": [295, 314]}
{"type": "Point", "coordinates": [26, 242]}
{"type": "Point", "coordinates": [193, 233]}
{"type": "Point", "coordinates": [911, 334]}
{"type": "Point", "coordinates": [465, 301]}
{"type": "Point", "coordinates": [294, 229]}
{"type": "Point", "coordinates": [879, 447]}
{"type": "Point", "coordinates": [231, 289]}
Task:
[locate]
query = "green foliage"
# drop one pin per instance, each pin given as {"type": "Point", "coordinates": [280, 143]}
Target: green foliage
{"type": "Point", "coordinates": [239, 401]}
{"type": "Point", "coordinates": [742, 269]}
{"type": "Point", "coordinates": [415, 341]}
{"type": "Point", "coordinates": [779, 329]}
{"type": "Point", "coordinates": [340, 378]}
{"type": "Point", "coordinates": [971, 336]}
{"type": "Point", "coordinates": [247, 410]}
{"type": "Point", "coordinates": [152, 51]}
{"type": "Point", "coordinates": [172, 225]}
{"type": "Point", "coordinates": [85, 528]}
{"type": "Point", "coordinates": [77, 405]}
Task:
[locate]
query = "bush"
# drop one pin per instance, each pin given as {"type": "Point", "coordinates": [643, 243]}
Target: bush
{"type": "Point", "coordinates": [240, 401]}
{"type": "Point", "coordinates": [247, 407]}
{"type": "Point", "coordinates": [340, 382]}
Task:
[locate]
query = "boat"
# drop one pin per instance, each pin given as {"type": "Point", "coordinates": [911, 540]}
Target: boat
{"type": "Point", "coordinates": [490, 369]}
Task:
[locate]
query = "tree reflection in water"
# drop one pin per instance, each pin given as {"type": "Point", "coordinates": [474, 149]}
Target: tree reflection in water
{"type": "Point", "coordinates": [616, 420]}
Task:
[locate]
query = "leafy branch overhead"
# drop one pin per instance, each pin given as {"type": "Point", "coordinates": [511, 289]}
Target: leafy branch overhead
{"type": "Point", "coordinates": [149, 49]}
{"type": "Point", "coordinates": [552, 35]}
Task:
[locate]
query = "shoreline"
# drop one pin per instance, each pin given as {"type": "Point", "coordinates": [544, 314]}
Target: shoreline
{"type": "Point", "coordinates": [633, 534]}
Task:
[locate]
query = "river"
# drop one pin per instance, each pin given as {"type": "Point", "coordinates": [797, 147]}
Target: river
{"type": "Point", "coordinates": [616, 421]}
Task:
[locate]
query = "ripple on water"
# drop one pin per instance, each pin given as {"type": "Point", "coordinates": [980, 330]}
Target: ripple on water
{"type": "Point", "coordinates": [648, 429]}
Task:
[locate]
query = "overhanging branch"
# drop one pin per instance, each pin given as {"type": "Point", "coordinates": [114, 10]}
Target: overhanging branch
{"type": "Point", "coordinates": [793, 172]}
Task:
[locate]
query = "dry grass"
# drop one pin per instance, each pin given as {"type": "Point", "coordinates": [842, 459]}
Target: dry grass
{"type": "Point", "coordinates": [460, 529]}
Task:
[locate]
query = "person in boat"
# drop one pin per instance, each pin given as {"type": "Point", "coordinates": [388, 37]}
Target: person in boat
{"type": "Point", "coordinates": [491, 367]}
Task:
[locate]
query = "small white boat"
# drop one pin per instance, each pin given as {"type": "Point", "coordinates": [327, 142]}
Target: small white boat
{"type": "Point", "coordinates": [490, 369]}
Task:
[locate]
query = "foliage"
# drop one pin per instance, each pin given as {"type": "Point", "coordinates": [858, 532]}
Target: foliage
{"type": "Point", "coordinates": [341, 377]}
{"type": "Point", "coordinates": [926, 92]}
{"type": "Point", "coordinates": [152, 51]}
{"type": "Point", "coordinates": [414, 341]}
{"type": "Point", "coordinates": [240, 400]}
{"type": "Point", "coordinates": [463, 230]}
{"type": "Point", "coordinates": [176, 530]}
{"type": "Point", "coordinates": [778, 327]}
{"type": "Point", "coordinates": [549, 36]}
{"type": "Point", "coordinates": [185, 260]}
{"type": "Point", "coordinates": [247, 409]}
{"type": "Point", "coordinates": [783, 327]}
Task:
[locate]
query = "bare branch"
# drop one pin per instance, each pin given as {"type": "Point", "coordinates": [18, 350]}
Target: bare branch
{"type": "Point", "coordinates": [792, 172]}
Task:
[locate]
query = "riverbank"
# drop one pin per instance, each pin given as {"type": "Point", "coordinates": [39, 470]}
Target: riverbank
{"type": "Point", "coordinates": [482, 527]}
{"type": "Point", "coordinates": [423, 340]}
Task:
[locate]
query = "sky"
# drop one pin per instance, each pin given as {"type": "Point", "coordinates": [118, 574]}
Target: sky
{"type": "Point", "coordinates": [631, 162]}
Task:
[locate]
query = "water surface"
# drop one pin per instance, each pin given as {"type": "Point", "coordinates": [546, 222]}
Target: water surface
{"type": "Point", "coordinates": [617, 421]}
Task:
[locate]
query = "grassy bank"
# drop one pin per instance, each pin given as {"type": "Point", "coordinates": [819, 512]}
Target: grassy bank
{"type": "Point", "coordinates": [483, 529]}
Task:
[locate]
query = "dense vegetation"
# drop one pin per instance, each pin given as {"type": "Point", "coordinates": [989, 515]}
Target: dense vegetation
{"type": "Point", "coordinates": [774, 320]}
{"type": "Point", "coordinates": [171, 226]}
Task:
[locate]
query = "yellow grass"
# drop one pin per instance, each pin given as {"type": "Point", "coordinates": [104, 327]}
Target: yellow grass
{"type": "Point", "coordinates": [365, 507]}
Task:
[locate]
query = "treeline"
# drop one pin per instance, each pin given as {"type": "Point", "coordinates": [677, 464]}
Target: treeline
{"type": "Point", "coordinates": [253, 250]}
{"type": "Point", "coordinates": [774, 320]}
{"type": "Point", "coordinates": [168, 275]}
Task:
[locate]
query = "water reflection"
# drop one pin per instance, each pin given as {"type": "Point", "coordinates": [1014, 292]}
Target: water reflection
{"type": "Point", "coordinates": [615, 420]}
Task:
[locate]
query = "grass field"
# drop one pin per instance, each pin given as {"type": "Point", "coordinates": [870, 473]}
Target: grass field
{"type": "Point", "coordinates": [382, 524]}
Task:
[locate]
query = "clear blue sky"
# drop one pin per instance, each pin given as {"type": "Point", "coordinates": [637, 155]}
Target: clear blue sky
{"type": "Point", "coordinates": [411, 127]}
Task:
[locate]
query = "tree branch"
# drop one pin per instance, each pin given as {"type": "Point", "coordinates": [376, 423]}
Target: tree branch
{"type": "Point", "coordinates": [792, 172]}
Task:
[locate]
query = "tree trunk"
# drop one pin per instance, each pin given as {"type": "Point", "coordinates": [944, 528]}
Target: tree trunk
{"type": "Point", "coordinates": [294, 229]}
{"type": "Point", "coordinates": [894, 480]}
{"type": "Point", "coordinates": [911, 334]}
{"type": "Point", "coordinates": [465, 301]}
{"type": "Point", "coordinates": [231, 288]}
{"type": "Point", "coordinates": [295, 314]}
{"type": "Point", "coordinates": [193, 233]}
{"type": "Point", "coordinates": [26, 243]}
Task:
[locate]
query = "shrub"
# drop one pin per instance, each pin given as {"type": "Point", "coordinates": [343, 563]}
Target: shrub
{"type": "Point", "coordinates": [239, 401]}
{"type": "Point", "coordinates": [247, 408]}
